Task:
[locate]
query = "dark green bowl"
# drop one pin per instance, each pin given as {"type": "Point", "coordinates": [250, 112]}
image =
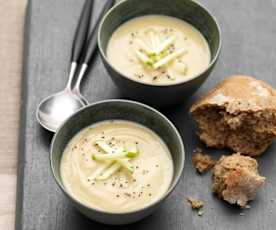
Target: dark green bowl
{"type": "Point", "coordinates": [190, 11]}
{"type": "Point", "coordinates": [124, 110]}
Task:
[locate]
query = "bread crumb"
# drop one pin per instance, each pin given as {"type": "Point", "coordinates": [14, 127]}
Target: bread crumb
{"type": "Point", "coordinates": [200, 212]}
{"type": "Point", "coordinates": [195, 203]}
{"type": "Point", "coordinates": [203, 162]}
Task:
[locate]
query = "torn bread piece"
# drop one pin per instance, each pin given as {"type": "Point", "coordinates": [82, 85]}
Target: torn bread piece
{"type": "Point", "coordinates": [236, 179]}
{"type": "Point", "coordinates": [239, 113]}
{"type": "Point", "coordinates": [203, 162]}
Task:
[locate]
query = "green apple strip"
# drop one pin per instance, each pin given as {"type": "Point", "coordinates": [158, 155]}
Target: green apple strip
{"type": "Point", "coordinates": [169, 58]}
{"type": "Point", "coordinates": [100, 170]}
{"type": "Point", "coordinates": [153, 41]}
{"type": "Point", "coordinates": [156, 41]}
{"type": "Point", "coordinates": [113, 156]}
{"type": "Point", "coordinates": [112, 160]}
{"type": "Point", "coordinates": [103, 146]}
{"type": "Point", "coordinates": [106, 148]}
{"type": "Point", "coordinates": [164, 45]}
{"type": "Point", "coordinates": [133, 152]}
{"type": "Point", "coordinates": [126, 164]}
{"type": "Point", "coordinates": [143, 58]}
{"type": "Point", "coordinates": [144, 46]}
{"type": "Point", "coordinates": [171, 75]}
{"type": "Point", "coordinates": [109, 172]}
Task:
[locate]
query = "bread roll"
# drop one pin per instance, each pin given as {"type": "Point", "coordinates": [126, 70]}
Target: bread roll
{"type": "Point", "coordinates": [236, 179]}
{"type": "Point", "coordinates": [239, 113]}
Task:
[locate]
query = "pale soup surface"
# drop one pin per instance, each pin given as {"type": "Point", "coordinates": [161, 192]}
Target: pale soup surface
{"type": "Point", "coordinates": [122, 191]}
{"type": "Point", "coordinates": [158, 49]}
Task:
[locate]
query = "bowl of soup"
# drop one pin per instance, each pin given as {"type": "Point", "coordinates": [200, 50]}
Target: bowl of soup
{"type": "Point", "coordinates": [159, 52]}
{"type": "Point", "coordinates": [117, 160]}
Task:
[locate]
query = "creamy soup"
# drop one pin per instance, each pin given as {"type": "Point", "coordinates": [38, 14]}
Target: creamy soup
{"type": "Point", "coordinates": [116, 166]}
{"type": "Point", "coordinates": [158, 50]}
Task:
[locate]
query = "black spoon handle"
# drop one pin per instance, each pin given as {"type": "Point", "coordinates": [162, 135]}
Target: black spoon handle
{"type": "Point", "coordinates": [82, 30]}
{"type": "Point", "coordinates": [92, 40]}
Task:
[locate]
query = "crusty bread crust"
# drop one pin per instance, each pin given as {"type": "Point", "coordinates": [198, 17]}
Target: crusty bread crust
{"type": "Point", "coordinates": [239, 113]}
{"type": "Point", "coordinates": [240, 93]}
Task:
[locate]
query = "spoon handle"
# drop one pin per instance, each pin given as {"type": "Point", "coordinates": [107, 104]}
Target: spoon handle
{"type": "Point", "coordinates": [92, 40]}
{"type": "Point", "coordinates": [91, 44]}
{"type": "Point", "coordinates": [81, 31]}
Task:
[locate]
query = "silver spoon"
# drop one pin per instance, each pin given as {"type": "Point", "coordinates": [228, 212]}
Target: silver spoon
{"type": "Point", "coordinates": [55, 109]}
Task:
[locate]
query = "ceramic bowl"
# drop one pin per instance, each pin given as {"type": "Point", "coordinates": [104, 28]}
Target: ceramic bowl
{"type": "Point", "coordinates": [190, 11]}
{"type": "Point", "coordinates": [123, 110]}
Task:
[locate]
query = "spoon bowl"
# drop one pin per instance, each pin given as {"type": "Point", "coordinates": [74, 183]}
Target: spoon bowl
{"type": "Point", "coordinates": [55, 109]}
